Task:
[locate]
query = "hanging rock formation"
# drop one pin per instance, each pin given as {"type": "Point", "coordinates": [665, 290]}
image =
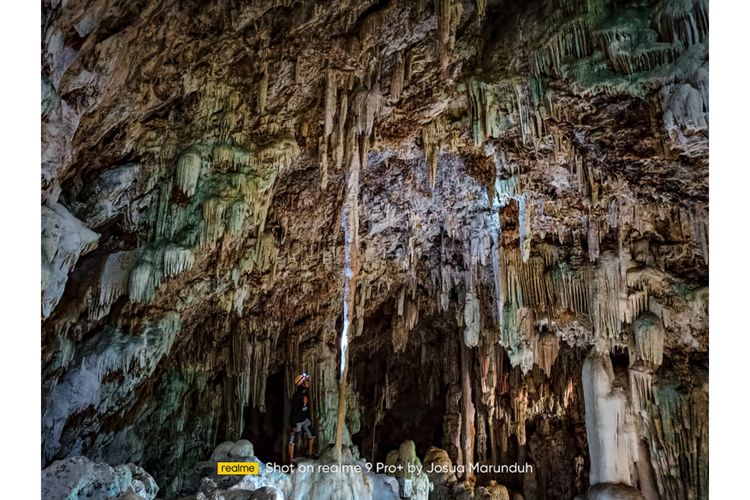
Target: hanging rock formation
{"type": "Point", "coordinates": [521, 270]}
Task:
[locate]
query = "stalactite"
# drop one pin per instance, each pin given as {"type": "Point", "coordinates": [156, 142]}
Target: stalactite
{"type": "Point", "coordinates": [213, 220]}
{"type": "Point", "coordinates": [569, 288]}
{"type": "Point", "coordinates": [364, 291]}
{"type": "Point", "coordinates": [593, 239]}
{"type": "Point", "coordinates": [397, 77]}
{"type": "Point", "coordinates": [678, 435]}
{"type": "Point", "coordinates": [237, 213]}
{"type": "Point", "coordinates": [443, 10]}
{"type": "Point", "coordinates": [684, 22]}
{"type": "Point", "coordinates": [367, 106]}
{"type": "Point", "coordinates": [329, 115]}
{"type": "Point", "coordinates": [486, 116]}
{"type": "Point", "coordinates": [604, 298]}
{"type": "Point", "coordinates": [472, 320]}
{"type": "Point", "coordinates": [432, 134]}
{"type": "Point", "coordinates": [399, 334]}
{"type": "Point", "coordinates": [177, 260]}
{"type": "Point", "coordinates": [698, 217]}
{"type": "Point", "coordinates": [449, 15]}
{"type": "Point", "coordinates": [263, 90]}
{"type": "Point", "coordinates": [188, 172]}
{"type": "Point", "coordinates": [481, 8]}
{"type": "Point", "coordinates": [640, 387]}
{"type": "Point", "coordinates": [240, 294]}
{"type": "Point", "coordinates": [497, 271]}
{"type": "Point", "coordinates": [570, 41]}
{"type": "Point", "coordinates": [329, 102]}
{"type": "Point", "coordinates": [142, 283]}
{"type": "Point", "coordinates": [636, 305]}
{"type": "Point", "coordinates": [546, 352]}
{"type": "Point", "coordinates": [340, 137]}
{"type": "Point", "coordinates": [520, 404]}
{"type": "Point", "coordinates": [647, 343]}
{"type": "Point", "coordinates": [226, 157]}
{"type": "Point", "coordinates": [524, 281]}
{"type": "Point", "coordinates": [409, 65]}
{"type": "Point", "coordinates": [524, 222]}
{"type": "Point", "coordinates": [114, 280]}
{"type": "Point", "coordinates": [411, 316]}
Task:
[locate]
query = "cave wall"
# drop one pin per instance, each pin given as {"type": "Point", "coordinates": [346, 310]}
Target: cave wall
{"type": "Point", "coordinates": [532, 211]}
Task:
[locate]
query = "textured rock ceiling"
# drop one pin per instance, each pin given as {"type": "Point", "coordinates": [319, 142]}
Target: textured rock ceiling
{"type": "Point", "coordinates": [532, 189]}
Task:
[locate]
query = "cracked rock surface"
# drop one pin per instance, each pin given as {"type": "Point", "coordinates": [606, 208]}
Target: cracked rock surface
{"type": "Point", "coordinates": [524, 188]}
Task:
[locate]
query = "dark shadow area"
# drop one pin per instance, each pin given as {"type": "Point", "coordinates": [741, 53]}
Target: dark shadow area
{"type": "Point", "coordinates": [413, 413]}
{"type": "Point", "coordinates": [266, 430]}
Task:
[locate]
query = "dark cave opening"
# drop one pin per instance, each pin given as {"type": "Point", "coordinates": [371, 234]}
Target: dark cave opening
{"type": "Point", "coordinates": [417, 403]}
{"type": "Point", "coordinates": [266, 430]}
{"type": "Point", "coordinates": [411, 417]}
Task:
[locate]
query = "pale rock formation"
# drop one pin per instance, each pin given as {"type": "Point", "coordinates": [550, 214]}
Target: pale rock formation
{"type": "Point", "coordinates": [64, 240]}
{"type": "Point", "coordinates": [520, 183]}
{"type": "Point", "coordinates": [414, 485]}
{"type": "Point", "coordinates": [79, 477]}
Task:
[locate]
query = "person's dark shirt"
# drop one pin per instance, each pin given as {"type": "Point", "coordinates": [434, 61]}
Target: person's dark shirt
{"type": "Point", "coordinates": [300, 406]}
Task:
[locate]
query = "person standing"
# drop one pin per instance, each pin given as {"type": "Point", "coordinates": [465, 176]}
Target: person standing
{"type": "Point", "coordinates": [300, 418]}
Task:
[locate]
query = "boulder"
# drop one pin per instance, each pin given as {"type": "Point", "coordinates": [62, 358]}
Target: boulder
{"type": "Point", "coordinates": [79, 477]}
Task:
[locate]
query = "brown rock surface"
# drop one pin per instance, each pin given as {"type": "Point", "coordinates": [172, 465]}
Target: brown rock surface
{"type": "Point", "coordinates": [533, 183]}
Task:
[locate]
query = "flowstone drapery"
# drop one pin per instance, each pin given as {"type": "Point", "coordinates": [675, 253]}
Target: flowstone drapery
{"type": "Point", "coordinates": [496, 211]}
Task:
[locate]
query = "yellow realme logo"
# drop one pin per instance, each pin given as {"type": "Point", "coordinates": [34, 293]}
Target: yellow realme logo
{"type": "Point", "coordinates": [237, 468]}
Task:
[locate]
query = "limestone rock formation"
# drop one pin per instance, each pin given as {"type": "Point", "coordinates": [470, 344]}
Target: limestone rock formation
{"type": "Point", "coordinates": [413, 483]}
{"type": "Point", "coordinates": [491, 215]}
{"type": "Point", "coordinates": [79, 477]}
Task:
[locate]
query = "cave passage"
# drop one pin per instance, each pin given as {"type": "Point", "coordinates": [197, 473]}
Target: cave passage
{"type": "Point", "coordinates": [268, 430]}
{"type": "Point", "coordinates": [480, 226]}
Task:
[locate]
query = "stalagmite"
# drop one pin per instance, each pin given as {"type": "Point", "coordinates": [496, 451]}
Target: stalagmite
{"type": "Point", "coordinates": [611, 440]}
{"type": "Point", "coordinates": [468, 412]}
